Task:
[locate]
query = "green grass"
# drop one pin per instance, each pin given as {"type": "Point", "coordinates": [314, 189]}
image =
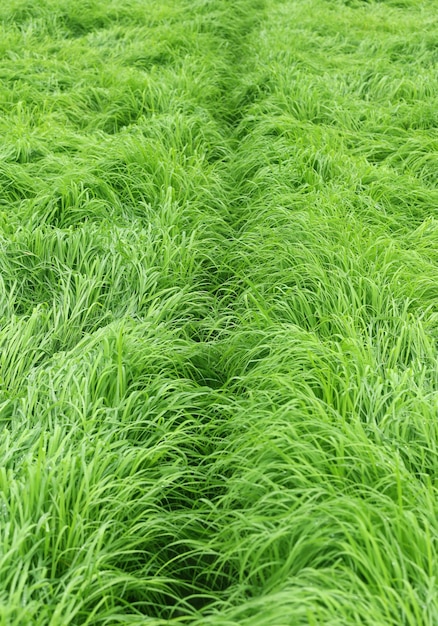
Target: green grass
{"type": "Point", "coordinates": [219, 318]}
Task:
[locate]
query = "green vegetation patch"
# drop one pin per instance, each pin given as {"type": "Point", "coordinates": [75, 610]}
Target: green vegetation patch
{"type": "Point", "coordinates": [218, 313]}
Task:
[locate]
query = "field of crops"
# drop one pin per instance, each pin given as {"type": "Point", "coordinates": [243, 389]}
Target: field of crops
{"type": "Point", "coordinates": [219, 312]}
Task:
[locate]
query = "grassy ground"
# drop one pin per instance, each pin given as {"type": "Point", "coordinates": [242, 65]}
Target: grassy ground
{"type": "Point", "coordinates": [219, 318]}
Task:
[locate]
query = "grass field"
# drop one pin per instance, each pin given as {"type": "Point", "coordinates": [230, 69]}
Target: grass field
{"type": "Point", "coordinates": [219, 312]}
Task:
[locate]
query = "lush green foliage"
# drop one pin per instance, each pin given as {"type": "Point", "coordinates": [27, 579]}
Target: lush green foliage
{"type": "Point", "coordinates": [219, 322]}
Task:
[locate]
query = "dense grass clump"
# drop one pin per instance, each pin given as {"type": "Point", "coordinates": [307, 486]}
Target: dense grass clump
{"type": "Point", "coordinates": [218, 304]}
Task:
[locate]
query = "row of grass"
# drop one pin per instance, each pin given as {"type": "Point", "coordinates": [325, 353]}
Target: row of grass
{"type": "Point", "coordinates": [218, 305]}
